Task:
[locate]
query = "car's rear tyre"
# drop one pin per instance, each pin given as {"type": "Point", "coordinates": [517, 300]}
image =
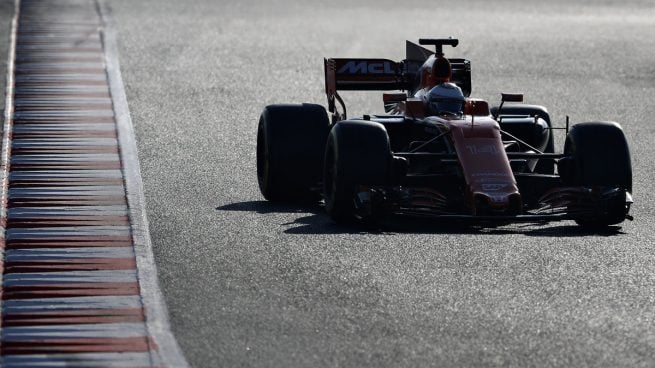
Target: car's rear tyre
{"type": "Point", "coordinates": [357, 154]}
{"type": "Point", "coordinates": [597, 156]}
{"type": "Point", "coordinates": [543, 166]}
{"type": "Point", "coordinates": [290, 146]}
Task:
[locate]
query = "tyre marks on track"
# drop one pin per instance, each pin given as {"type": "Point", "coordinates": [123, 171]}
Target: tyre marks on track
{"type": "Point", "coordinates": [71, 290]}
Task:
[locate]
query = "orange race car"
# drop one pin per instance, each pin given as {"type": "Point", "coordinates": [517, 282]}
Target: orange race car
{"type": "Point", "coordinates": [437, 152]}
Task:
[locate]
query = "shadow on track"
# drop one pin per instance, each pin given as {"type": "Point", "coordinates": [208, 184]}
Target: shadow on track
{"type": "Point", "coordinates": [317, 222]}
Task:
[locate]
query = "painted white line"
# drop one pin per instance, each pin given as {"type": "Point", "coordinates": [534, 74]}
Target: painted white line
{"type": "Point", "coordinates": [40, 254]}
{"type": "Point", "coordinates": [39, 101]}
{"type": "Point", "coordinates": [51, 174]}
{"type": "Point", "coordinates": [53, 193]}
{"type": "Point", "coordinates": [61, 89]}
{"type": "Point", "coordinates": [81, 360]}
{"type": "Point", "coordinates": [62, 103]}
{"type": "Point", "coordinates": [67, 43]}
{"type": "Point", "coordinates": [71, 277]}
{"type": "Point", "coordinates": [105, 330]}
{"type": "Point", "coordinates": [55, 127]}
{"type": "Point", "coordinates": [157, 314]}
{"type": "Point", "coordinates": [89, 33]}
{"type": "Point", "coordinates": [63, 142]}
{"type": "Point", "coordinates": [60, 160]}
{"type": "Point", "coordinates": [73, 156]}
{"type": "Point", "coordinates": [67, 156]}
{"type": "Point", "coordinates": [40, 64]}
{"type": "Point", "coordinates": [49, 65]}
{"type": "Point", "coordinates": [84, 302]}
{"type": "Point", "coordinates": [56, 65]}
{"type": "Point", "coordinates": [81, 39]}
{"type": "Point", "coordinates": [61, 78]}
{"type": "Point", "coordinates": [69, 231]}
{"type": "Point", "coordinates": [51, 55]}
{"type": "Point", "coordinates": [114, 210]}
{"type": "Point", "coordinates": [64, 113]}
{"type": "Point", "coordinates": [64, 127]}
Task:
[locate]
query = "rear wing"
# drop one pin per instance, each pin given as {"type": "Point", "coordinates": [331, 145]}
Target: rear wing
{"type": "Point", "coordinates": [363, 75]}
{"type": "Point", "coordinates": [360, 75]}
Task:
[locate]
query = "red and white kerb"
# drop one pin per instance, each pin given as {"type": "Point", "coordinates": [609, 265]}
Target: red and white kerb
{"type": "Point", "coordinates": [70, 286]}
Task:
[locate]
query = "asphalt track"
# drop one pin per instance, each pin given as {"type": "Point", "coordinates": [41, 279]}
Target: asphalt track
{"type": "Point", "coordinates": [248, 283]}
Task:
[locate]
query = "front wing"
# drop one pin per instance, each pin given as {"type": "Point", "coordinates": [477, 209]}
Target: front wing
{"type": "Point", "coordinates": [563, 203]}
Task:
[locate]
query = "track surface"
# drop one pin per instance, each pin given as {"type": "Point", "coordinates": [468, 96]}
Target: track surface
{"type": "Point", "coordinates": [249, 283]}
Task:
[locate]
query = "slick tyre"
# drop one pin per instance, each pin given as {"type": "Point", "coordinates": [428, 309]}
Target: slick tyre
{"type": "Point", "coordinates": [597, 155]}
{"type": "Point", "coordinates": [357, 154]}
{"type": "Point", "coordinates": [543, 166]}
{"type": "Point", "coordinates": [290, 146]}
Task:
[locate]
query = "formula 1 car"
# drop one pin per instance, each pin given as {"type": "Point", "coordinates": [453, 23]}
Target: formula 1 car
{"type": "Point", "coordinates": [439, 153]}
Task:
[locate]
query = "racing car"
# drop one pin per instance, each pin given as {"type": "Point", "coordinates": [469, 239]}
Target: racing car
{"type": "Point", "coordinates": [437, 152]}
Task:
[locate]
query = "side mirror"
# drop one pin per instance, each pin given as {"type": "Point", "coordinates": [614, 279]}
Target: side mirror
{"type": "Point", "coordinates": [394, 97]}
{"type": "Point", "coordinates": [476, 107]}
{"type": "Point", "coordinates": [508, 97]}
{"type": "Point", "coordinates": [511, 97]}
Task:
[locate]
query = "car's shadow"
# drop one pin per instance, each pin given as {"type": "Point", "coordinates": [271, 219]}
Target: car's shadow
{"type": "Point", "coordinates": [316, 221]}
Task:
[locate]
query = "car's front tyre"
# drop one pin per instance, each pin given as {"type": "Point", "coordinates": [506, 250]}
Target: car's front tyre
{"type": "Point", "coordinates": [597, 156]}
{"type": "Point", "coordinates": [357, 155]}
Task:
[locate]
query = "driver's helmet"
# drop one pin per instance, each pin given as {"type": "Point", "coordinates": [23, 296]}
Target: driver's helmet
{"type": "Point", "coordinates": [446, 98]}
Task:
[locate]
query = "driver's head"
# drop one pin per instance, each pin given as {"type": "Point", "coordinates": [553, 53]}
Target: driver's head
{"type": "Point", "coordinates": [441, 71]}
{"type": "Point", "coordinates": [446, 98]}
